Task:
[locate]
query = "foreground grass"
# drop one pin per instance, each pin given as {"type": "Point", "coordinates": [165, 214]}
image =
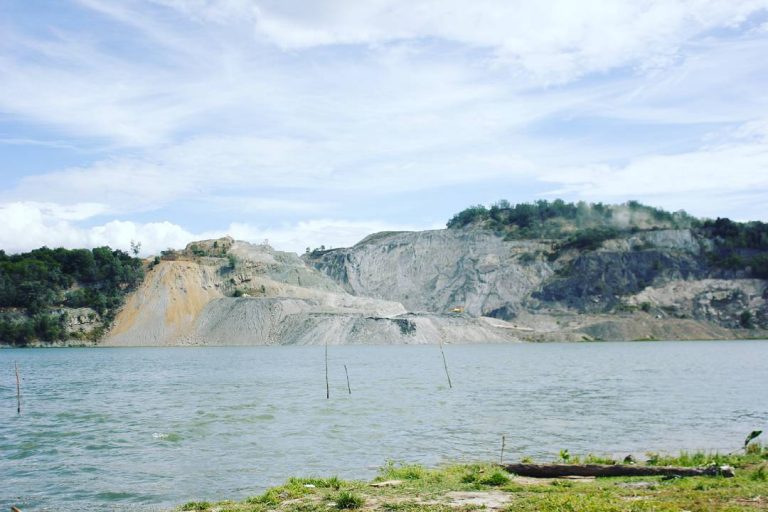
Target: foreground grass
{"type": "Point", "coordinates": [412, 488]}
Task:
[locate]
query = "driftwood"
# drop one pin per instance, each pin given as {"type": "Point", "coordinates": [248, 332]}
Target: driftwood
{"type": "Point", "coordinates": [561, 470]}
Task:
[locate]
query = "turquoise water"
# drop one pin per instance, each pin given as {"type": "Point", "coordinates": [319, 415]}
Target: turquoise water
{"type": "Point", "coordinates": [150, 428]}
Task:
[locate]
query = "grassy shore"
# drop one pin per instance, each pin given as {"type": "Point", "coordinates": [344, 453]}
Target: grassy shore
{"type": "Point", "coordinates": [468, 487]}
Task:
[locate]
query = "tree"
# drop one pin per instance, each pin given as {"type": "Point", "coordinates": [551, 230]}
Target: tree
{"type": "Point", "coordinates": [135, 248]}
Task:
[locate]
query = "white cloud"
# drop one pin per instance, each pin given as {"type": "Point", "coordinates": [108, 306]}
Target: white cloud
{"type": "Point", "coordinates": [728, 178]}
{"type": "Point", "coordinates": [27, 226]}
{"type": "Point", "coordinates": [232, 171]}
{"type": "Point", "coordinates": [292, 107]}
{"type": "Point", "coordinates": [314, 233]}
{"type": "Point", "coordinates": [554, 41]}
{"type": "Point", "coordinates": [200, 77]}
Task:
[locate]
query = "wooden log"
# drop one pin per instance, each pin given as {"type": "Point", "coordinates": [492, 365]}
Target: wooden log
{"type": "Point", "coordinates": [562, 470]}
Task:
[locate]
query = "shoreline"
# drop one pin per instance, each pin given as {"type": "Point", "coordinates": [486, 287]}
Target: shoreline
{"type": "Point", "coordinates": [488, 486]}
{"type": "Point", "coordinates": [62, 345]}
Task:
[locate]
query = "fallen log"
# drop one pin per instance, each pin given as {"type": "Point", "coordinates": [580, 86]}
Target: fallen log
{"type": "Point", "coordinates": [597, 470]}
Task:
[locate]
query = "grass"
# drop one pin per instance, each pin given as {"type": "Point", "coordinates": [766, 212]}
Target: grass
{"type": "Point", "coordinates": [347, 500]}
{"type": "Point", "coordinates": [196, 505]}
{"type": "Point", "coordinates": [415, 488]}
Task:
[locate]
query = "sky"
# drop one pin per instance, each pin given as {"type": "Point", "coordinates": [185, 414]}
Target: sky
{"type": "Point", "coordinates": [317, 122]}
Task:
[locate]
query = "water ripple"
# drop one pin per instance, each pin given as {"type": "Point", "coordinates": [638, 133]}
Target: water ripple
{"type": "Point", "coordinates": [143, 429]}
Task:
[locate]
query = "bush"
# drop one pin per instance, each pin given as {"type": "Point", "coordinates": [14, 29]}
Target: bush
{"type": "Point", "coordinates": [590, 239]}
{"type": "Point", "coordinates": [495, 479]}
{"type": "Point", "coordinates": [545, 219]}
{"type": "Point", "coordinates": [346, 500]}
{"type": "Point", "coordinates": [196, 505]}
{"type": "Point", "coordinates": [745, 319]}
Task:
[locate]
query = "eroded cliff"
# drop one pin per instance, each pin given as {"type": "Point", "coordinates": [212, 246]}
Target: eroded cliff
{"type": "Point", "coordinates": [650, 284]}
{"type": "Point", "coordinates": [223, 292]}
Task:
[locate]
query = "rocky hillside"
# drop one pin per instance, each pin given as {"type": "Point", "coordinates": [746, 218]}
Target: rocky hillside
{"type": "Point", "coordinates": [599, 282]}
{"type": "Point", "coordinates": [441, 270]}
{"type": "Point", "coordinates": [529, 272]}
{"type": "Point", "coordinates": [226, 292]}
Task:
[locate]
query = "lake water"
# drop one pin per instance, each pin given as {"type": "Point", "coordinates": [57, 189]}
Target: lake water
{"type": "Point", "coordinates": [151, 428]}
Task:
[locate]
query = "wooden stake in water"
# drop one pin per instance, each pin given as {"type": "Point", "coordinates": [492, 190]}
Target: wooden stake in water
{"type": "Point", "coordinates": [501, 457]}
{"type": "Point", "coordinates": [18, 389]}
{"type": "Point", "coordinates": [346, 372]}
{"type": "Point", "coordinates": [445, 365]}
{"type": "Point", "coordinates": [327, 386]}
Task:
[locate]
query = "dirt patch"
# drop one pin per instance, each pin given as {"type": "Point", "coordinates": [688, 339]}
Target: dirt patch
{"type": "Point", "coordinates": [491, 500]}
{"type": "Point", "coordinates": [526, 480]}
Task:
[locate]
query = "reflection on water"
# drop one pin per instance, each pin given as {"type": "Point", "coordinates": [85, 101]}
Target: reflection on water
{"type": "Point", "coordinates": [142, 429]}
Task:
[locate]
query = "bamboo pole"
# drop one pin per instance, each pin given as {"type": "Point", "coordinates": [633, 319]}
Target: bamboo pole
{"type": "Point", "coordinates": [445, 364]}
{"type": "Point", "coordinates": [327, 386]}
{"type": "Point", "coordinates": [18, 389]}
{"type": "Point", "coordinates": [347, 373]}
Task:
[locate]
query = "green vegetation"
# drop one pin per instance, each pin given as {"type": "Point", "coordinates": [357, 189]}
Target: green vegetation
{"type": "Point", "coordinates": [480, 475]}
{"type": "Point", "coordinates": [346, 500]}
{"type": "Point", "coordinates": [745, 320]}
{"type": "Point", "coordinates": [196, 505]}
{"type": "Point", "coordinates": [739, 245]}
{"type": "Point", "coordinates": [736, 246]}
{"type": "Point", "coordinates": [558, 219]}
{"type": "Point", "coordinates": [197, 251]}
{"type": "Point", "coordinates": [589, 239]}
{"type": "Point", "coordinates": [468, 487]}
{"type": "Point", "coordinates": [34, 286]}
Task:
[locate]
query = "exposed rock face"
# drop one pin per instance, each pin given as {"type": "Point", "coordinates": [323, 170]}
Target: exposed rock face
{"type": "Point", "coordinates": [272, 297]}
{"type": "Point", "coordinates": [442, 286]}
{"type": "Point", "coordinates": [596, 280]}
{"type": "Point", "coordinates": [167, 304]}
{"type": "Point", "coordinates": [441, 270]}
{"type": "Point", "coordinates": [652, 284]}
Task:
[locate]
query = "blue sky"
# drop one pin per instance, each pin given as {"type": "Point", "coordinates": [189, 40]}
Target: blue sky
{"type": "Point", "coordinates": [318, 122]}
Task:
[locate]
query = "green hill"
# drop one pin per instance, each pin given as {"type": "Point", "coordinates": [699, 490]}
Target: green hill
{"type": "Point", "coordinates": [37, 287]}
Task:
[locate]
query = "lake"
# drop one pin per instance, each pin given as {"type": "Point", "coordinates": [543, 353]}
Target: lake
{"type": "Point", "coordinates": [151, 428]}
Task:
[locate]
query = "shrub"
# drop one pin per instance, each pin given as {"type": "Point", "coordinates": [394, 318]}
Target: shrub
{"type": "Point", "coordinates": [394, 471]}
{"type": "Point", "coordinates": [745, 319]}
{"type": "Point", "coordinates": [196, 505]}
{"type": "Point", "coordinates": [346, 500]}
{"type": "Point", "coordinates": [495, 479]}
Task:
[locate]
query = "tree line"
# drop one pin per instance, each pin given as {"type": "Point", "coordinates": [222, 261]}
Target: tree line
{"type": "Point", "coordinates": [35, 283]}
{"type": "Point", "coordinates": [739, 246]}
